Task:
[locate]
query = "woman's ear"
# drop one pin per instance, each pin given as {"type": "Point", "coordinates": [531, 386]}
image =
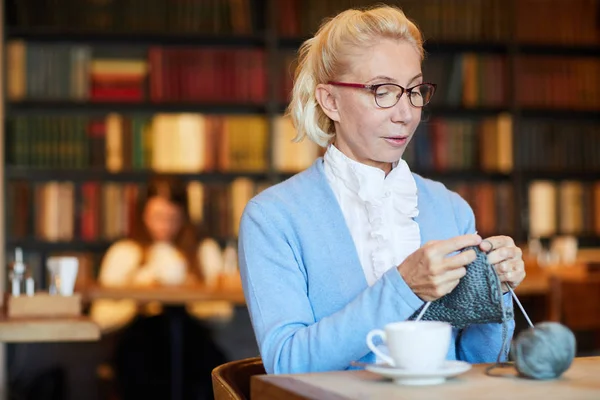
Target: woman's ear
{"type": "Point", "coordinates": [327, 100]}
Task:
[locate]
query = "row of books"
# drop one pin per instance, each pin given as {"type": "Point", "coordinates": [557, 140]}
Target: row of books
{"type": "Point", "coordinates": [468, 79]}
{"type": "Point", "coordinates": [462, 144]}
{"type": "Point", "coordinates": [61, 72]}
{"type": "Point", "coordinates": [450, 20]}
{"type": "Point", "coordinates": [557, 21]}
{"type": "Point", "coordinates": [439, 19]}
{"type": "Point", "coordinates": [106, 211]}
{"type": "Point", "coordinates": [558, 146]}
{"type": "Point", "coordinates": [59, 211]}
{"type": "Point", "coordinates": [493, 205]}
{"type": "Point", "coordinates": [55, 72]}
{"type": "Point", "coordinates": [194, 143]}
{"type": "Point", "coordinates": [558, 82]}
{"type": "Point", "coordinates": [165, 143]}
{"type": "Point", "coordinates": [553, 21]}
{"type": "Point", "coordinates": [567, 207]}
{"type": "Point", "coordinates": [139, 16]}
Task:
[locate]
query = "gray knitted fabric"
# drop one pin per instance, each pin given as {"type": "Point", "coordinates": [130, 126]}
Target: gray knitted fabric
{"type": "Point", "coordinates": [476, 300]}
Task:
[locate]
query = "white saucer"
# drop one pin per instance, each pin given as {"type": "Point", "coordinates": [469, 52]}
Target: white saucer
{"type": "Point", "coordinates": [406, 377]}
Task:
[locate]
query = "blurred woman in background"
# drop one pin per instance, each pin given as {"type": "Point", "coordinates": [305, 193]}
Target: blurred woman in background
{"type": "Point", "coordinates": [163, 250]}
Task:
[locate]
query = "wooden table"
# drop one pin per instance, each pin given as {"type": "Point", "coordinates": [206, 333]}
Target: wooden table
{"type": "Point", "coordinates": [166, 295]}
{"type": "Point", "coordinates": [29, 330]}
{"type": "Point", "coordinates": [581, 381]}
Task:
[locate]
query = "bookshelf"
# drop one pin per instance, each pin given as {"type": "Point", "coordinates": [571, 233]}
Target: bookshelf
{"type": "Point", "coordinates": [3, 245]}
{"type": "Point", "coordinates": [518, 103]}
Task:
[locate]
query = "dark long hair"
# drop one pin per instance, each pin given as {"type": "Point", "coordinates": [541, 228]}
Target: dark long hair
{"type": "Point", "coordinates": [187, 239]}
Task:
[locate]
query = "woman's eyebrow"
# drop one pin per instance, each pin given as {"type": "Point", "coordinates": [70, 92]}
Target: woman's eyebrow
{"type": "Point", "coordinates": [382, 78]}
{"type": "Point", "coordinates": [419, 75]}
{"type": "Point", "coordinates": [392, 80]}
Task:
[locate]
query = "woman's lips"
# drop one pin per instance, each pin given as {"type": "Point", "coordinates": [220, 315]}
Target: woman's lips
{"type": "Point", "coordinates": [396, 141]}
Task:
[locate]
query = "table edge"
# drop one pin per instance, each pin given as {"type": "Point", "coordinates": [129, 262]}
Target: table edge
{"type": "Point", "coordinates": [289, 388]}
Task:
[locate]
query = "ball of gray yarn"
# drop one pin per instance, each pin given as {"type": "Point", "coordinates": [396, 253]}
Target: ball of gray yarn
{"type": "Point", "coordinates": [544, 352]}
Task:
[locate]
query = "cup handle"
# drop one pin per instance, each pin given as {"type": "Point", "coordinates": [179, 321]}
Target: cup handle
{"type": "Point", "coordinates": [374, 349]}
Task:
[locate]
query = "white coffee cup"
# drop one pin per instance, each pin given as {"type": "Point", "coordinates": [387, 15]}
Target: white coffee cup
{"type": "Point", "coordinates": [63, 273]}
{"type": "Point", "coordinates": [413, 345]}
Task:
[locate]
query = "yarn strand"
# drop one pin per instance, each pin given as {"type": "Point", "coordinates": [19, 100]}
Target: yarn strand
{"type": "Point", "coordinates": [504, 349]}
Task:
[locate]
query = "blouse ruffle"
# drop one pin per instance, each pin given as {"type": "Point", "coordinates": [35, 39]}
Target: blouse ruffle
{"type": "Point", "coordinates": [390, 203]}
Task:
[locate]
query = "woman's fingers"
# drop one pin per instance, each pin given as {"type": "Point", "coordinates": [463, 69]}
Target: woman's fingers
{"type": "Point", "coordinates": [504, 253]}
{"type": "Point", "coordinates": [459, 260]}
{"type": "Point", "coordinates": [442, 248]}
{"type": "Point", "coordinates": [511, 271]}
{"type": "Point", "coordinates": [496, 242]}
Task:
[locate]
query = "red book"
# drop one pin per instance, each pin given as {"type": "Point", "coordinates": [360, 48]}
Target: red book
{"type": "Point", "coordinates": [126, 94]}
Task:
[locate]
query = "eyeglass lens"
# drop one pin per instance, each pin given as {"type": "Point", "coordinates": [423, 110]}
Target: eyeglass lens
{"type": "Point", "coordinates": [388, 95]}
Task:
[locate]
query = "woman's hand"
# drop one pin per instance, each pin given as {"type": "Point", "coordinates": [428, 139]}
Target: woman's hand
{"type": "Point", "coordinates": [507, 259]}
{"type": "Point", "coordinates": [431, 273]}
{"type": "Point", "coordinates": [144, 277]}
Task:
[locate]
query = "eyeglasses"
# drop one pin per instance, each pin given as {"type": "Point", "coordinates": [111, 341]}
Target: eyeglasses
{"type": "Point", "coordinates": [388, 94]}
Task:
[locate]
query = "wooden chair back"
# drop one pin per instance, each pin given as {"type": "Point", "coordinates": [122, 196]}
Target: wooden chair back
{"type": "Point", "coordinates": [231, 381]}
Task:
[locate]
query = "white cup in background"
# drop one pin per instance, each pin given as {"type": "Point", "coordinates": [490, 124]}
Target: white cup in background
{"type": "Point", "coordinates": [63, 274]}
{"type": "Point", "coordinates": [413, 345]}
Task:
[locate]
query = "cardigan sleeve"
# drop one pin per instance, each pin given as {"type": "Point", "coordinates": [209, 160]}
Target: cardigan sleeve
{"type": "Point", "coordinates": [480, 343]}
{"type": "Point", "coordinates": [290, 338]}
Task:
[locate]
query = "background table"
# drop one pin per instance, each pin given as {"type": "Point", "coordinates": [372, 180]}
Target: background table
{"type": "Point", "coordinates": [29, 330]}
{"type": "Point", "coordinates": [166, 295]}
{"type": "Point", "coordinates": [581, 381]}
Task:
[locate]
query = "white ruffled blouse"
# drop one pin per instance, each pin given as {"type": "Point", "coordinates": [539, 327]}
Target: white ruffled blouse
{"type": "Point", "coordinates": [378, 210]}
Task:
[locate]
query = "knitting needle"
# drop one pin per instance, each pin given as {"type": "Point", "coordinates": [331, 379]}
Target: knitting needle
{"type": "Point", "coordinates": [514, 296]}
{"type": "Point", "coordinates": [423, 311]}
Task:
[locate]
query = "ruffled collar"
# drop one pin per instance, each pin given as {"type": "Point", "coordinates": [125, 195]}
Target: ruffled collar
{"type": "Point", "coordinates": [370, 183]}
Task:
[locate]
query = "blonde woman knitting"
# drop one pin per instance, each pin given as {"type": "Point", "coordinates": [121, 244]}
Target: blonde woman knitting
{"type": "Point", "coordinates": [357, 241]}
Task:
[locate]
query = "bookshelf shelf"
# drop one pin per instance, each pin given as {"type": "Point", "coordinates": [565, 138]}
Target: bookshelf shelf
{"type": "Point", "coordinates": [100, 108]}
{"type": "Point", "coordinates": [583, 241]}
{"type": "Point", "coordinates": [559, 50]}
{"type": "Point", "coordinates": [447, 111]}
{"type": "Point", "coordinates": [84, 175]}
{"type": "Point", "coordinates": [140, 39]}
{"type": "Point", "coordinates": [561, 114]}
{"type": "Point", "coordinates": [466, 47]}
{"type": "Point", "coordinates": [45, 246]}
{"type": "Point", "coordinates": [91, 108]}
{"type": "Point", "coordinates": [485, 48]}
{"type": "Point", "coordinates": [288, 43]}
{"type": "Point", "coordinates": [560, 175]}
{"type": "Point", "coordinates": [465, 175]}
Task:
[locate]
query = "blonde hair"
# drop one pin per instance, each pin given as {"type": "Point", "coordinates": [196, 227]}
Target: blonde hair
{"type": "Point", "coordinates": [321, 59]}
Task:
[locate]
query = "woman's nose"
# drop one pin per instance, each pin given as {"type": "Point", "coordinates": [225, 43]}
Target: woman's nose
{"type": "Point", "coordinates": [403, 110]}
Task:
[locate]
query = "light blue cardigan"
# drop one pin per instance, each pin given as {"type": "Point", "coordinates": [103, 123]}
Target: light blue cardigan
{"type": "Point", "coordinates": [309, 301]}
